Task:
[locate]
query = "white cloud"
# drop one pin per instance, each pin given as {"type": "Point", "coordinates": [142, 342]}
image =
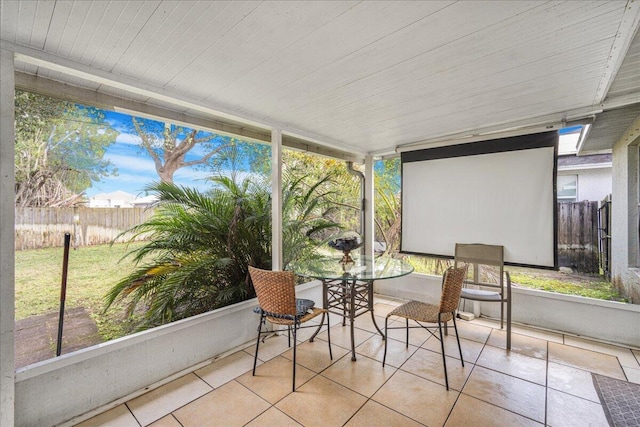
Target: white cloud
{"type": "Point", "coordinates": [129, 138]}
{"type": "Point", "coordinates": [190, 173]}
{"type": "Point", "coordinates": [124, 162]}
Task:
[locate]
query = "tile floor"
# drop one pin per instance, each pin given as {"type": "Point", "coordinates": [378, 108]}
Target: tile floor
{"type": "Point", "coordinates": [544, 380]}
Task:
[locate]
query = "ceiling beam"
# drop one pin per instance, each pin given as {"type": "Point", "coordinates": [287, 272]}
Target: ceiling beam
{"type": "Point", "coordinates": [317, 144]}
{"type": "Point", "coordinates": [67, 92]}
{"type": "Point", "coordinates": [623, 39]}
{"type": "Point", "coordinates": [531, 125]}
{"type": "Point", "coordinates": [304, 145]}
{"type": "Point", "coordinates": [70, 68]}
{"type": "Point", "coordinates": [94, 98]}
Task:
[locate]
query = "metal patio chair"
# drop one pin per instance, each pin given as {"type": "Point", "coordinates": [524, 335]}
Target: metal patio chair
{"type": "Point", "coordinates": [478, 255]}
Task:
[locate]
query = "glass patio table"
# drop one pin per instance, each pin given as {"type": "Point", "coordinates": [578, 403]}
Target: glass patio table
{"type": "Point", "coordinates": [347, 288]}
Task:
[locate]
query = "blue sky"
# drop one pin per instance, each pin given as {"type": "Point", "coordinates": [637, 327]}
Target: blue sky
{"type": "Point", "coordinates": [135, 167]}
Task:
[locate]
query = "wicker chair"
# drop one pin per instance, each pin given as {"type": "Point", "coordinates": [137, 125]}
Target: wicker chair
{"type": "Point", "coordinates": [277, 304]}
{"type": "Point", "coordinates": [421, 312]}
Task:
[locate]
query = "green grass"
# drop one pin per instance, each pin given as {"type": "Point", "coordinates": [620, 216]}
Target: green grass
{"type": "Point", "coordinates": [599, 289]}
{"type": "Point", "coordinates": [551, 281]}
{"type": "Point", "coordinates": [92, 271]}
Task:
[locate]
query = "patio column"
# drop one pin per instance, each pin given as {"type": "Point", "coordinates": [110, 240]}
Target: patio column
{"type": "Point", "coordinates": [369, 192]}
{"type": "Point", "coordinates": [7, 255]}
{"type": "Point", "coordinates": [276, 199]}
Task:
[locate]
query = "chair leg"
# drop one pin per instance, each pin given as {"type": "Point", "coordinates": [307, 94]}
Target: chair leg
{"type": "Point", "coordinates": [386, 336]}
{"type": "Point", "coordinates": [289, 336]}
{"type": "Point", "coordinates": [329, 336]}
{"type": "Point", "coordinates": [455, 328]}
{"type": "Point", "coordinates": [295, 328]}
{"type": "Point", "coordinates": [255, 357]}
{"type": "Point", "coordinates": [509, 324]}
{"type": "Point", "coordinates": [406, 324]}
{"type": "Point", "coordinates": [444, 358]}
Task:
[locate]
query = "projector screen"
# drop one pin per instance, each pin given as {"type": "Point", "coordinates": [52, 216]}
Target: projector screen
{"type": "Point", "coordinates": [498, 192]}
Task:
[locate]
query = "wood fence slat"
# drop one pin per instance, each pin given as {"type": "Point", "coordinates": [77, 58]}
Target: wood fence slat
{"type": "Point", "coordinates": [37, 228]}
{"type": "Point", "coordinates": [578, 236]}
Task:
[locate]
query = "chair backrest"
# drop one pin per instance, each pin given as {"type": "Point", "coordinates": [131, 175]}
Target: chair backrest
{"type": "Point", "coordinates": [275, 290]}
{"type": "Point", "coordinates": [452, 282]}
{"type": "Point", "coordinates": [478, 254]}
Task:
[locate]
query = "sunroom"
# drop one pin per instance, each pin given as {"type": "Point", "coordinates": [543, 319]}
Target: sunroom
{"type": "Point", "coordinates": [357, 81]}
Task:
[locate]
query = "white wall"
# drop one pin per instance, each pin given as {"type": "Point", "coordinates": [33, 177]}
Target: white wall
{"type": "Point", "coordinates": [593, 184]}
{"type": "Point", "coordinates": [624, 231]}
{"type": "Point", "coordinates": [598, 319]}
{"type": "Point", "coordinates": [7, 221]}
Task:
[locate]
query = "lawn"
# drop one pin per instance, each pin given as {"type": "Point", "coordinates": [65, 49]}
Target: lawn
{"type": "Point", "coordinates": [586, 285]}
{"type": "Point", "coordinates": [92, 271]}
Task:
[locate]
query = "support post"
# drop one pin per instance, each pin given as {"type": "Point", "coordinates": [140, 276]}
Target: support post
{"type": "Point", "coordinates": [369, 193]}
{"type": "Point", "coordinates": [276, 200]}
{"type": "Point", "coordinates": [7, 238]}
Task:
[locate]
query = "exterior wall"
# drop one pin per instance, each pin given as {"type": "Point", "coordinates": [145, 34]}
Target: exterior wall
{"type": "Point", "coordinates": [7, 258]}
{"type": "Point", "coordinates": [593, 184]}
{"type": "Point", "coordinates": [625, 272]}
{"type": "Point", "coordinates": [608, 321]}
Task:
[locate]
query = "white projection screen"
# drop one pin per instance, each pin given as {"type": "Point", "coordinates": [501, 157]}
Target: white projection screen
{"type": "Point", "coordinates": [498, 192]}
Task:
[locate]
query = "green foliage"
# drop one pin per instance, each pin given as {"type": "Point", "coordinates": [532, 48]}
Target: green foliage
{"type": "Point", "coordinates": [429, 265]}
{"type": "Point", "coordinates": [200, 245]}
{"type": "Point", "coordinates": [59, 150]}
{"type": "Point", "coordinates": [387, 203]}
{"type": "Point", "coordinates": [258, 155]}
{"type": "Point", "coordinates": [341, 190]}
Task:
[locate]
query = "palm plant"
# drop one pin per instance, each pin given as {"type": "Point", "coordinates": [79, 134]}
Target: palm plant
{"type": "Point", "coordinates": [199, 246]}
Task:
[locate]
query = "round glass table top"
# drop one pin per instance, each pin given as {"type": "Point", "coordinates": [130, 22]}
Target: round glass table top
{"type": "Point", "coordinates": [362, 268]}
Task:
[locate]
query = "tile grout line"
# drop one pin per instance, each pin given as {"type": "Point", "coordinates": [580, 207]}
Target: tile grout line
{"type": "Point", "coordinates": [546, 387]}
{"type": "Point", "coordinates": [126, 404]}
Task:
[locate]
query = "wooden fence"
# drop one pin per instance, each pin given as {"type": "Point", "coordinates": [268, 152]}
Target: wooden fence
{"type": "Point", "coordinates": [578, 236]}
{"type": "Point", "coordinates": [37, 228]}
{"type": "Point", "coordinates": [45, 227]}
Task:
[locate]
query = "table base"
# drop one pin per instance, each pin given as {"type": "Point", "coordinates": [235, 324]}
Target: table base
{"type": "Point", "coordinates": [348, 298]}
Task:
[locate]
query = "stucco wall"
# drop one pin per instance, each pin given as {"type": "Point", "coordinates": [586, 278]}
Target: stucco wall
{"type": "Point", "coordinates": [624, 230]}
{"type": "Point", "coordinates": [609, 321]}
{"type": "Point", "coordinates": [7, 257]}
{"type": "Point", "coordinates": [593, 184]}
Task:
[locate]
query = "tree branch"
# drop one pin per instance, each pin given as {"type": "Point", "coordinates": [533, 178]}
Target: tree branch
{"type": "Point", "coordinates": [147, 145]}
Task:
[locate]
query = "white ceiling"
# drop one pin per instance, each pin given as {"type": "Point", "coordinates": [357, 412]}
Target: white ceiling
{"type": "Point", "coordinates": [359, 76]}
